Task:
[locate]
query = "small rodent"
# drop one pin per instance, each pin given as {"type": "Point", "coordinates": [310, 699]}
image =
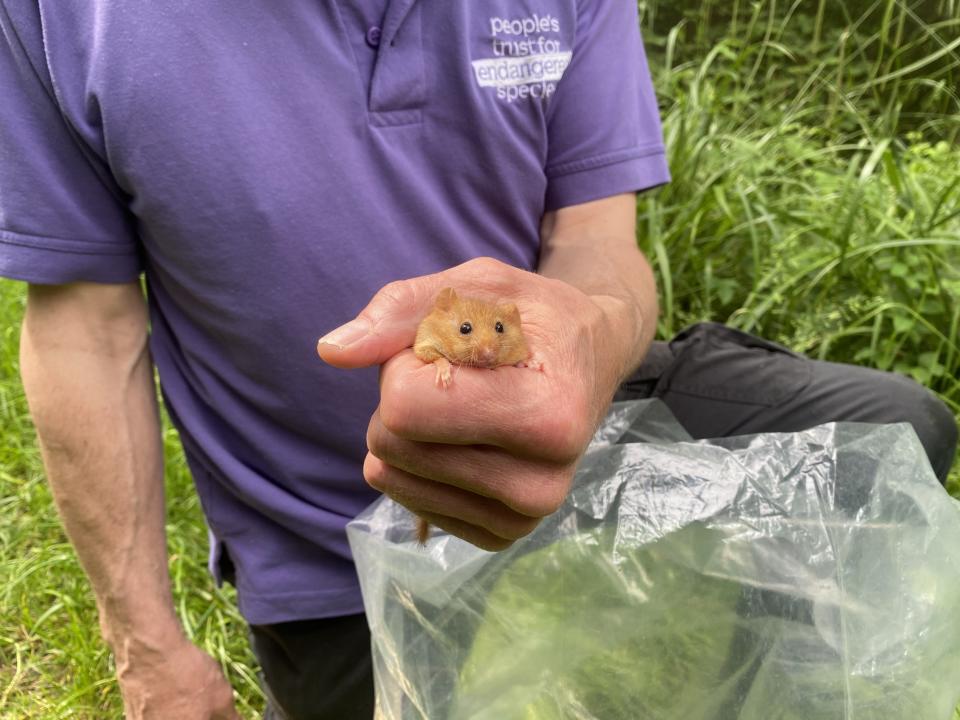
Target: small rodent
{"type": "Point", "coordinates": [468, 331]}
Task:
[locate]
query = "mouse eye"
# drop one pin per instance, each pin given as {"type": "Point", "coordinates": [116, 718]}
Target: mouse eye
{"type": "Point", "coordinates": [498, 327]}
{"type": "Point", "coordinates": [466, 328]}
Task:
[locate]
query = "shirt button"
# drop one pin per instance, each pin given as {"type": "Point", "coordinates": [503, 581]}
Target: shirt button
{"type": "Point", "coordinates": [373, 36]}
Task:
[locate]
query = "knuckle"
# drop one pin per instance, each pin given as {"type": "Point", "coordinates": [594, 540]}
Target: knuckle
{"type": "Point", "coordinates": [373, 432]}
{"type": "Point", "coordinates": [494, 544]}
{"type": "Point", "coordinates": [556, 498]}
{"type": "Point", "coordinates": [519, 528]}
{"type": "Point", "coordinates": [550, 498]}
{"type": "Point", "coordinates": [383, 444]}
{"type": "Point", "coordinates": [543, 495]}
{"type": "Point", "coordinates": [490, 273]}
{"type": "Point", "coordinates": [563, 433]}
{"type": "Point", "coordinates": [391, 418]}
{"type": "Point", "coordinates": [485, 264]}
{"type": "Point", "coordinates": [375, 472]}
{"type": "Point", "coordinates": [392, 298]}
{"type": "Point", "coordinates": [394, 410]}
{"type": "Point", "coordinates": [553, 497]}
{"type": "Point", "coordinates": [398, 293]}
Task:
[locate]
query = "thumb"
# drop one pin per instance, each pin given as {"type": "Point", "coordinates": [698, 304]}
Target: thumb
{"type": "Point", "coordinates": [387, 325]}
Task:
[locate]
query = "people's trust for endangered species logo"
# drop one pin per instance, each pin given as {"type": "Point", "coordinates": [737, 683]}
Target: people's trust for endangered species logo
{"type": "Point", "coordinates": [527, 57]}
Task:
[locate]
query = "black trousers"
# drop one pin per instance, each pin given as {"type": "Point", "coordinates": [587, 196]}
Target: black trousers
{"type": "Point", "coordinates": [717, 381]}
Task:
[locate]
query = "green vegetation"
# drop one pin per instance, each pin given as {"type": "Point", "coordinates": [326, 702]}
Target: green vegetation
{"type": "Point", "coordinates": [816, 178]}
{"type": "Point", "coordinates": [580, 656]}
{"type": "Point", "coordinates": [815, 200]}
{"type": "Point", "coordinates": [625, 667]}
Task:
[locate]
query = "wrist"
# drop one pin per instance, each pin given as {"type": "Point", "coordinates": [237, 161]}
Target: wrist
{"type": "Point", "coordinates": [141, 631]}
{"type": "Point", "coordinates": [622, 336]}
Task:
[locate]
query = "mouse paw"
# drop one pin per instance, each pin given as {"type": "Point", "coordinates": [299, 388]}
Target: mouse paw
{"type": "Point", "coordinates": [533, 362]}
{"type": "Point", "coordinates": [444, 376]}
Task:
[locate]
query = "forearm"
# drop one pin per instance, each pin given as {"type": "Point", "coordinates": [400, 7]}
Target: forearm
{"type": "Point", "coordinates": [89, 383]}
{"type": "Point", "coordinates": [593, 248]}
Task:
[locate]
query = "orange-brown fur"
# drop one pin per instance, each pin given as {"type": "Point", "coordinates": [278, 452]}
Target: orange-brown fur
{"type": "Point", "coordinates": [439, 335]}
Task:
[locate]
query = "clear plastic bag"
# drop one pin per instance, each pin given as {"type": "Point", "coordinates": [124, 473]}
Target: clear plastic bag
{"type": "Point", "coordinates": [802, 576]}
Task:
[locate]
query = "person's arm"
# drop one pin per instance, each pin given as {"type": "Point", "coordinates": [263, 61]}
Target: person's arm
{"type": "Point", "coordinates": [593, 247]}
{"type": "Point", "coordinates": [88, 378]}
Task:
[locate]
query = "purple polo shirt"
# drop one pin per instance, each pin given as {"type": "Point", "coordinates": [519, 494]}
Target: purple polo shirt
{"type": "Point", "coordinates": [268, 167]}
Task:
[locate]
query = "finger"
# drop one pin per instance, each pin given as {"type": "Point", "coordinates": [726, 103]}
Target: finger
{"type": "Point", "coordinates": [228, 714]}
{"type": "Point", "coordinates": [387, 325]}
{"type": "Point", "coordinates": [223, 697]}
{"type": "Point", "coordinates": [530, 487]}
{"type": "Point", "coordinates": [425, 497]}
{"type": "Point", "coordinates": [228, 710]}
{"type": "Point", "coordinates": [517, 409]}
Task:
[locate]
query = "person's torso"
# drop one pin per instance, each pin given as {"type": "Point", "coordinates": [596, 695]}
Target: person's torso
{"type": "Point", "coordinates": [283, 161]}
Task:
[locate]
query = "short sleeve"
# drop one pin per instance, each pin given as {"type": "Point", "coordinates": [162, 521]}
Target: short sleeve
{"type": "Point", "coordinates": [604, 125]}
{"type": "Point", "coordinates": [62, 218]}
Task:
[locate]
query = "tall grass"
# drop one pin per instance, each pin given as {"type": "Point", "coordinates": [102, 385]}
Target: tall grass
{"type": "Point", "coordinates": [816, 190]}
{"type": "Point", "coordinates": [815, 200]}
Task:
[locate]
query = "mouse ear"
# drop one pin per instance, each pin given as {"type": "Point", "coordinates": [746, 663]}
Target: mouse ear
{"type": "Point", "coordinates": [446, 298]}
{"type": "Point", "coordinates": [509, 311]}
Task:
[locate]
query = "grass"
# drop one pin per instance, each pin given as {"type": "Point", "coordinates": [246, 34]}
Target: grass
{"type": "Point", "coordinates": [815, 200]}
{"type": "Point", "coordinates": [815, 196]}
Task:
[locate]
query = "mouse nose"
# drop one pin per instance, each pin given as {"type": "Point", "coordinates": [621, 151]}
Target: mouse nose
{"type": "Point", "coordinates": [486, 356]}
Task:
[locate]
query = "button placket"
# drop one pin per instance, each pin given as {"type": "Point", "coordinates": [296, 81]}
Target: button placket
{"type": "Point", "coordinates": [399, 82]}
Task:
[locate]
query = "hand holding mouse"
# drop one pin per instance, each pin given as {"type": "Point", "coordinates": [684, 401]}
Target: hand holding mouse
{"type": "Point", "coordinates": [473, 332]}
{"type": "Point", "coordinates": [493, 453]}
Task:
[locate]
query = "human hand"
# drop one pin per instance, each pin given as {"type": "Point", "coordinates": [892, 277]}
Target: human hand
{"type": "Point", "coordinates": [172, 679]}
{"type": "Point", "coordinates": [487, 458]}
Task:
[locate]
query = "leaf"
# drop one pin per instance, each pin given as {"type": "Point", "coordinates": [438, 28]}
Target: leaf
{"type": "Point", "coordinates": [930, 362]}
{"type": "Point", "coordinates": [899, 269]}
{"type": "Point", "coordinates": [931, 306]}
{"type": "Point", "coordinates": [726, 289]}
{"type": "Point", "coordinates": [902, 323]}
{"type": "Point", "coordinates": [921, 375]}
